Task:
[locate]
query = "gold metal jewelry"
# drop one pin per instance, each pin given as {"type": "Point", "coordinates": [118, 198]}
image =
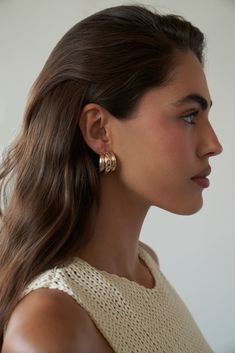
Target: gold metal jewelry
{"type": "Point", "coordinates": [107, 162]}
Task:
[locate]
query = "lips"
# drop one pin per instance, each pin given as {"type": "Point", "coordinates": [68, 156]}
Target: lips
{"type": "Point", "coordinates": [201, 178]}
{"type": "Point", "coordinates": [203, 173]}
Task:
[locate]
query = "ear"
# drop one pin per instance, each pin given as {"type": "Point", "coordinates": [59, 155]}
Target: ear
{"type": "Point", "coordinates": [94, 127]}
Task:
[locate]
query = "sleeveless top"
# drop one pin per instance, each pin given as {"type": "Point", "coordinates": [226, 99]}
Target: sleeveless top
{"type": "Point", "coordinates": [131, 317]}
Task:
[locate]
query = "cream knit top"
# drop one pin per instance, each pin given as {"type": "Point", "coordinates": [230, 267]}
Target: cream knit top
{"type": "Point", "coordinates": [131, 317]}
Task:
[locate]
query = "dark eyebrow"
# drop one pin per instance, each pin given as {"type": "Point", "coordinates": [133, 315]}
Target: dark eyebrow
{"type": "Point", "coordinates": [194, 98]}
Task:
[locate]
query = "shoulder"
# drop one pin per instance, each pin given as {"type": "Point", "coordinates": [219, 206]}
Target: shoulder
{"type": "Point", "coordinates": [150, 251]}
{"type": "Point", "coordinates": [49, 321]}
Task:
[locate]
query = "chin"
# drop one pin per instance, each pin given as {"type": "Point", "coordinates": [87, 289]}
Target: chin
{"type": "Point", "coordinates": [184, 209]}
{"type": "Point", "coordinates": [188, 212]}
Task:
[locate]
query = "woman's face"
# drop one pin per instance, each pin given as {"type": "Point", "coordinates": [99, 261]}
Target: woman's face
{"type": "Point", "coordinates": [168, 141]}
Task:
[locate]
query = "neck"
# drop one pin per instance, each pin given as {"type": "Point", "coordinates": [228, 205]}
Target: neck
{"type": "Point", "coordinates": [113, 246]}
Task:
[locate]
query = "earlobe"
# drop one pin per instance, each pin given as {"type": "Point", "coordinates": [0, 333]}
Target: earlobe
{"type": "Point", "coordinates": [93, 126]}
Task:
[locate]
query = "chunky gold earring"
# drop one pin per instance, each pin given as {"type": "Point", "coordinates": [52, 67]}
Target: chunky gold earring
{"type": "Point", "coordinates": [107, 162]}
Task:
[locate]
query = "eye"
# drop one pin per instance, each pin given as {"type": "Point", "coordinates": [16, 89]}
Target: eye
{"type": "Point", "coordinates": [189, 118]}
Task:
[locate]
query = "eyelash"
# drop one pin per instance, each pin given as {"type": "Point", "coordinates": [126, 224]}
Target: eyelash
{"type": "Point", "coordinates": [192, 114]}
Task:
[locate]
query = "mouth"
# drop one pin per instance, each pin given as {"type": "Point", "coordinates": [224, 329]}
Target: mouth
{"type": "Point", "coordinates": [201, 178]}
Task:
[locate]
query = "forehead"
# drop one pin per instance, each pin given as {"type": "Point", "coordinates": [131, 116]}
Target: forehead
{"type": "Point", "coordinates": [188, 78]}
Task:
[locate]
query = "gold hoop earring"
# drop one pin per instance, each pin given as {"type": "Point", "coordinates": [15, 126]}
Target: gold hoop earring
{"type": "Point", "coordinates": [107, 162]}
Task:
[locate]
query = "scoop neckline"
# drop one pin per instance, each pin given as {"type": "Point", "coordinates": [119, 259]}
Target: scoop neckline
{"type": "Point", "coordinates": [143, 254]}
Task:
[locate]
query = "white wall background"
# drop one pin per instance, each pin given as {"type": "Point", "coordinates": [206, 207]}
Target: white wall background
{"type": "Point", "coordinates": [197, 253]}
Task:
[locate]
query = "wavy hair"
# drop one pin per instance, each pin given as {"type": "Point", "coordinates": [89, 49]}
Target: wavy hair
{"type": "Point", "coordinates": [49, 176]}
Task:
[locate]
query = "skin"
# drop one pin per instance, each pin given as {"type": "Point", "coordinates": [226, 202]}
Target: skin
{"type": "Point", "coordinates": [158, 151]}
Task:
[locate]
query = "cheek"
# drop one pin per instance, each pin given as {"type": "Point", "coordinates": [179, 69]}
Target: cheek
{"type": "Point", "coordinates": [157, 166]}
{"type": "Point", "coordinates": [170, 148]}
{"type": "Point", "coordinates": [155, 155]}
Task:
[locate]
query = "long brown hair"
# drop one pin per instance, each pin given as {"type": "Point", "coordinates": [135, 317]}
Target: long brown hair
{"type": "Point", "coordinates": [48, 177]}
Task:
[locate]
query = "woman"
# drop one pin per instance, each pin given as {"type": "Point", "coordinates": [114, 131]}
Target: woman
{"type": "Point", "coordinates": [116, 122]}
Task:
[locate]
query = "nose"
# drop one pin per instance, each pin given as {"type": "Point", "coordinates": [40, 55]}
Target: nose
{"type": "Point", "coordinates": [209, 145]}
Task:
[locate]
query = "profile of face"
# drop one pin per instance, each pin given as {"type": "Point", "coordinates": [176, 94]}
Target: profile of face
{"type": "Point", "coordinates": [168, 141]}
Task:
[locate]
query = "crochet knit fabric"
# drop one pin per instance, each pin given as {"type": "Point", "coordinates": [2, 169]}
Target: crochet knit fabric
{"type": "Point", "coordinates": [131, 317]}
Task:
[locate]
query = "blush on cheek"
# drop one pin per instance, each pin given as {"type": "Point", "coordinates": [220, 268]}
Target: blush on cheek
{"type": "Point", "coordinates": [181, 146]}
